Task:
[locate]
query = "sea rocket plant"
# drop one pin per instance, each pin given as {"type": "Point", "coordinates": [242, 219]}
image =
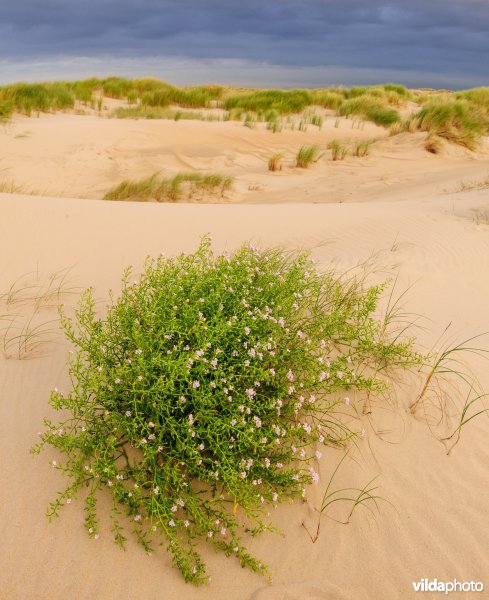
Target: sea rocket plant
{"type": "Point", "coordinates": [203, 394]}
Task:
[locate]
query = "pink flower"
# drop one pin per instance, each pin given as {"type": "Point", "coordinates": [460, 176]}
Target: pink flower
{"type": "Point", "coordinates": [347, 401]}
{"type": "Point", "coordinates": [171, 523]}
{"type": "Point", "coordinates": [138, 518]}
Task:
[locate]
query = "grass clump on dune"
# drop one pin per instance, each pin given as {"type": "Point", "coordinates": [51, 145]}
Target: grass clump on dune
{"type": "Point", "coordinates": [307, 155]}
{"type": "Point", "coordinates": [479, 96]}
{"type": "Point", "coordinates": [6, 109]}
{"type": "Point", "coordinates": [362, 148]}
{"type": "Point", "coordinates": [275, 162]}
{"type": "Point", "coordinates": [370, 109]}
{"type": "Point", "coordinates": [37, 97]}
{"type": "Point", "coordinates": [457, 121]}
{"type": "Point", "coordinates": [203, 395]}
{"type": "Point", "coordinates": [183, 186]}
{"type": "Point", "coordinates": [338, 150]}
{"type": "Point", "coordinates": [281, 101]}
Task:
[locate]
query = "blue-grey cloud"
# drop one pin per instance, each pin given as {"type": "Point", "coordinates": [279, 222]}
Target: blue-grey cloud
{"type": "Point", "coordinates": [447, 38]}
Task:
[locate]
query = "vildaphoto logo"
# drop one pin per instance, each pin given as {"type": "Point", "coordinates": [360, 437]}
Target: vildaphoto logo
{"type": "Point", "coordinates": [446, 587]}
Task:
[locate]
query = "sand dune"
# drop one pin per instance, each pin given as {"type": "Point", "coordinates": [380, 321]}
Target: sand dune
{"type": "Point", "coordinates": [80, 156]}
{"type": "Point", "coordinates": [436, 522]}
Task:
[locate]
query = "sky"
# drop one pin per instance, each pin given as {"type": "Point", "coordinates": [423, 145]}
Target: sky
{"type": "Point", "coordinates": [288, 43]}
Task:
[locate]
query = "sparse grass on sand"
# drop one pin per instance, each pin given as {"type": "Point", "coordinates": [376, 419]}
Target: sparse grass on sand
{"type": "Point", "coordinates": [158, 112]}
{"type": "Point", "coordinates": [10, 187]}
{"type": "Point", "coordinates": [362, 148]}
{"type": "Point", "coordinates": [481, 184]}
{"type": "Point", "coordinates": [308, 155]}
{"type": "Point", "coordinates": [183, 186]}
{"type": "Point", "coordinates": [275, 162]}
{"type": "Point", "coordinates": [338, 150]}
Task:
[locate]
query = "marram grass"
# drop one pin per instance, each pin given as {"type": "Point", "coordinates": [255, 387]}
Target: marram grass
{"type": "Point", "coordinates": [183, 186]}
{"type": "Point", "coordinates": [202, 396]}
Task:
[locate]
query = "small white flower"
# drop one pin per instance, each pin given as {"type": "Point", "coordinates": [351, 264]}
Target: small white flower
{"type": "Point", "coordinates": [128, 413]}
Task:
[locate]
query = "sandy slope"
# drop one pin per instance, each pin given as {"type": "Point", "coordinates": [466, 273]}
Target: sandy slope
{"type": "Point", "coordinates": [437, 523]}
{"type": "Point", "coordinates": [83, 156]}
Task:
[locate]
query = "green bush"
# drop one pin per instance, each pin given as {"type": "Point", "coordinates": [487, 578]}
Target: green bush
{"type": "Point", "coordinates": [201, 396]}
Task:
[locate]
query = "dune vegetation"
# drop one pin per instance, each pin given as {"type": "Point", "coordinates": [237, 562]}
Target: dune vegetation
{"type": "Point", "coordinates": [208, 392]}
{"type": "Point", "coordinates": [457, 121]}
{"type": "Point", "coordinates": [183, 186]}
{"type": "Point", "coordinates": [459, 117]}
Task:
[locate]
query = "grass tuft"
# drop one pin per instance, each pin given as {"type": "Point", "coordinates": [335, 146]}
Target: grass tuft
{"type": "Point", "coordinates": [308, 155]}
{"type": "Point", "coordinates": [275, 162]}
{"type": "Point", "coordinates": [338, 150]}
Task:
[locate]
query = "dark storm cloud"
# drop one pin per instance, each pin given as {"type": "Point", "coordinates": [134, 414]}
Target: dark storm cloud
{"type": "Point", "coordinates": [445, 37]}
